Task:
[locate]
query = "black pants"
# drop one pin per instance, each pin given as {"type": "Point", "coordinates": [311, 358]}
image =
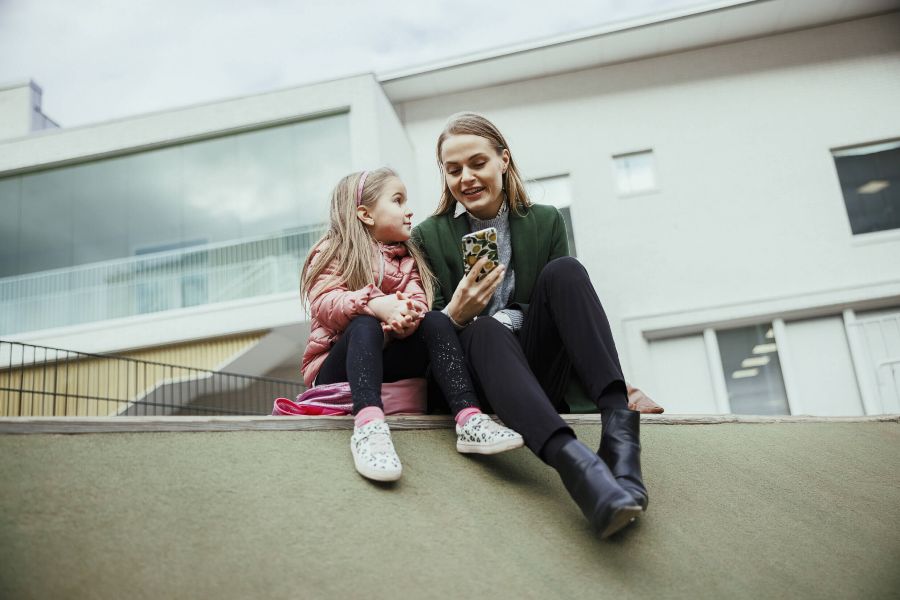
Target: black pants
{"type": "Point", "coordinates": [360, 358]}
{"type": "Point", "coordinates": [524, 378]}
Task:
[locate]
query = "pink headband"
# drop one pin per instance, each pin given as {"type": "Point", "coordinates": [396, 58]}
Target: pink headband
{"type": "Point", "coordinates": [359, 187]}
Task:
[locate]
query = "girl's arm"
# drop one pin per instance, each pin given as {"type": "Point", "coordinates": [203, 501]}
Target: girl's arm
{"type": "Point", "coordinates": [415, 292]}
{"type": "Point", "coordinates": [336, 305]}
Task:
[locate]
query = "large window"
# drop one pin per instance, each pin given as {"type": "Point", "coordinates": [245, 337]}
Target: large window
{"type": "Point", "coordinates": [556, 191]}
{"type": "Point", "coordinates": [244, 185]}
{"type": "Point", "coordinates": [870, 182]}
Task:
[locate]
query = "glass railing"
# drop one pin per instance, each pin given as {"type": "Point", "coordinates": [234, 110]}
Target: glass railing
{"type": "Point", "coordinates": [155, 282]}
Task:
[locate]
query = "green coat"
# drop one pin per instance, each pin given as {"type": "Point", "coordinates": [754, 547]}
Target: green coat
{"type": "Point", "coordinates": [537, 237]}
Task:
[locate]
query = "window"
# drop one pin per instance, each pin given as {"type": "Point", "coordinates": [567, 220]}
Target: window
{"type": "Point", "coordinates": [752, 371]}
{"type": "Point", "coordinates": [870, 182]}
{"type": "Point", "coordinates": [223, 189]}
{"type": "Point", "coordinates": [555, 191]}
{"type": "Point", "coordinates": [635, 172]}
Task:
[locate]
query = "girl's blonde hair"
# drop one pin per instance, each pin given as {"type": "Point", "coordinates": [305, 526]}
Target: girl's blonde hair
{"type": "Point", "coordinates": [474, 124]}
{"type": "Point", "coordinates": [347, 247]}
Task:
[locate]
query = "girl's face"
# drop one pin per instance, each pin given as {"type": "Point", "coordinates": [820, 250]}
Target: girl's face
{"type": "Point", "coordinates": [473, 172]}
{"type": "Point", "coordinates": [389, 220]}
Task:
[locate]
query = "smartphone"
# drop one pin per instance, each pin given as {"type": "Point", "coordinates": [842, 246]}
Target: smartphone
{"type": "Point", "coordinates": [478, 244]}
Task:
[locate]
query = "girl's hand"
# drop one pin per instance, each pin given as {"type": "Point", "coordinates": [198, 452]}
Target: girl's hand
{"type": "Point", "coordinates": [409, 322]}
{"type": "Point", "coordinates": [471, 296]}
{"type": "Point", "coordinates": [397, 313]}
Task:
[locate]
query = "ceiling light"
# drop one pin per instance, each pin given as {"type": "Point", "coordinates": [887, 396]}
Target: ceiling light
{"type": "Point", "coordinates": [770, 335]}
{"type": "Point", "coordinates": [873, 187]}
{"type": "Point", "coordinates": [745, 373]}
{"type": "Point", "coordinates": [756, 361]}
{"type": "Point", "coordinates": [765, 348]}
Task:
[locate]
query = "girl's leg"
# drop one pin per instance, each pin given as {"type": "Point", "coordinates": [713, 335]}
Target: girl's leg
{"type": "Point", "coordinates": [434, 341]}
{"type": "Point", "coordinates": [357, 359]}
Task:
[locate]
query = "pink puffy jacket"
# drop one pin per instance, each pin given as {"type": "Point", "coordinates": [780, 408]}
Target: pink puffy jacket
{"type": "Point", "coordinates": [332, 309]}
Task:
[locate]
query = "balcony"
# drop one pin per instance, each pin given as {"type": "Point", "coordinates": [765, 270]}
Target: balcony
{"type": "Point", "coordinates": [154, 283]}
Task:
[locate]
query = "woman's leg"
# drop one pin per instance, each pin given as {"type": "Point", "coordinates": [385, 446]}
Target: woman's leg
{"type": "Point", "coordinates": [566, 326]}
{"type": "Point", "coordinates": [505, 381]}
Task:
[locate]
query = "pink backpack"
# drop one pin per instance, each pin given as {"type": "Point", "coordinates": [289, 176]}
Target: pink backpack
{"type": "Point", "coordinates": [404, 397]}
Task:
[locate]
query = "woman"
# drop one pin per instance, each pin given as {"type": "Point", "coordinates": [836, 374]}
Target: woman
{"type": "Point", "coordinates": [532, 323]}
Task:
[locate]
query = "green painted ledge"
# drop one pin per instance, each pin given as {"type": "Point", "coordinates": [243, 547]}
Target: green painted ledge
{"type": "Point", "coordinates": [272, 508]}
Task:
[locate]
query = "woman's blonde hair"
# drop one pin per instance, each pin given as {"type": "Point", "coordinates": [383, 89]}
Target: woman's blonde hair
{"type": "Point", "coordinates": [347, 248]}
{"type": "Point", "coordinates": [474, 124]}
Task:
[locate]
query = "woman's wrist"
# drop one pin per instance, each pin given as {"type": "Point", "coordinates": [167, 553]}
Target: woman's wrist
{"type": "Point", "coordinates": [455, 319]}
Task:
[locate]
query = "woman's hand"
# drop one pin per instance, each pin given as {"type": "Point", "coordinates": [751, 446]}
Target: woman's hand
{"type": "Point", "coordinates": [471, 296]}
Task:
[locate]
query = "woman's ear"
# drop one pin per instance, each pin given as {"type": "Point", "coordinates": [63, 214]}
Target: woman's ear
{"type": "Point", "coordinates": [504, 157]}
{"type": "Point", "coordinates": [362, 213]}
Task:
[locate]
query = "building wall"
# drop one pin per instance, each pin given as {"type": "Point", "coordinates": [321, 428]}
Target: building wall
{"type": "Point", "coordinates": [748, 209]}
{"type": "Point", "coordinates": [376, 138]}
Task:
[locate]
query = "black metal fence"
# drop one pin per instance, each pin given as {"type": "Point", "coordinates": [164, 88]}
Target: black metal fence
{"type": "Point", "coordinates": [44, 381]}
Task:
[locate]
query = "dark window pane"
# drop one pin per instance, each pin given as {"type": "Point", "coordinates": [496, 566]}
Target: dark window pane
{"type": "Point", "coordinates": [870, 182]}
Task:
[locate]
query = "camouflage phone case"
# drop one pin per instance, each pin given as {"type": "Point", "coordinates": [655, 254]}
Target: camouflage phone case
{"type": "Point", "coordinates": [478, 244]}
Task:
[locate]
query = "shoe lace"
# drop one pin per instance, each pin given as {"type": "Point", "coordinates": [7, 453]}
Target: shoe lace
{"type": "Point", "coordinates": [379, 442]}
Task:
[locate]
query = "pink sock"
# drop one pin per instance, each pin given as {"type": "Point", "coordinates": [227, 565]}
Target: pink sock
{"type": "Point", "coordinates": [466, 414]}
{"type": "Point", "coordinates": [369, 413]}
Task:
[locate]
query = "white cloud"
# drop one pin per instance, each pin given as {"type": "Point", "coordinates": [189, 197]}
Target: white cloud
{"type": "Point", "coordinates": [97, 59]}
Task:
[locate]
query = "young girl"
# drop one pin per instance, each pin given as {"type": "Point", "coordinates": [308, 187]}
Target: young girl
{"type": "Point", "coordinates": [369, 293]}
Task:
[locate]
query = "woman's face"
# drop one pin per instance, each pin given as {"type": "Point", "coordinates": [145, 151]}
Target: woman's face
{"type": "Point", "coordinates": [473, 172]}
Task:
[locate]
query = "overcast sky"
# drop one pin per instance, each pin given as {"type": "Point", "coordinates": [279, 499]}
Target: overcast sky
{"type": "Point", "coordinates": [104, 59]}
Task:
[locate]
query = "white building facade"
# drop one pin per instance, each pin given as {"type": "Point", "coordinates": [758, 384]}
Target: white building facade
{"type": "Point", "coordinates": [731, 178]}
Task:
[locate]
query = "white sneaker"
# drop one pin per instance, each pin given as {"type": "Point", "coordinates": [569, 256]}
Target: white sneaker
{"type": "Point", "coordinates": [481, 435]}
{"type": "Point", "coordinates": [373, 452]}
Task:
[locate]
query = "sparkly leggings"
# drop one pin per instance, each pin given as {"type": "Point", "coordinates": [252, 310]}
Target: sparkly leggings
{"type": "Point", "coordinates": [360, 358]}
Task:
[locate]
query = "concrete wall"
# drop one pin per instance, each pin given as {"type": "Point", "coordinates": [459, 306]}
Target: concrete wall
{"type": "Point", "coordinates": [16, 107]}
{"type": "Point", "coordinates": [748, 208]}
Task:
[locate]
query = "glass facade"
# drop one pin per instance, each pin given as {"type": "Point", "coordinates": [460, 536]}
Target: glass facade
{"type": "Point", "coordinates": [245, 185]}
{"type": "Point", "coordinates": [753, 371]}
{"type": "Point", "coordinates": [870, 183]}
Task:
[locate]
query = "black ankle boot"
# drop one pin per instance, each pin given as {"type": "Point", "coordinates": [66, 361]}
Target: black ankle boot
{"type": "Point", "coordinates": [620, 449]}
{"type": "Point", "coordinates": [592, 486]}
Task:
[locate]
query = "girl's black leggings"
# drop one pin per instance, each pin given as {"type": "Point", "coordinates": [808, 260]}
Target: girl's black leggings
{"type": "Point", "coordinates": [361, 358]}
